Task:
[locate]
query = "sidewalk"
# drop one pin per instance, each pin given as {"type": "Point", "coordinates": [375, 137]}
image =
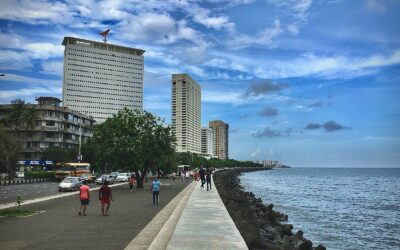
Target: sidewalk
{"type": "Point", "coordinates": [200, 221]}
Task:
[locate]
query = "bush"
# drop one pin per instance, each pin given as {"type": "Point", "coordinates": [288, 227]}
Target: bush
{"type": "Point", "coordinates": [40, 175]}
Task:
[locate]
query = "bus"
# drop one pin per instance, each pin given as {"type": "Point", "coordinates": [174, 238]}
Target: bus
{"type": "Point", "coordinates": [68, 169]}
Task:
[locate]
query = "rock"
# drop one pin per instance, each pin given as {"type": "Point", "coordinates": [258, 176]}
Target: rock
{"type": "Point", "coordinates": [320, 247]}
{"type": "Point", "coordinates": [304, 245]}
{"type": "Point", "coordinates": [299, 235]}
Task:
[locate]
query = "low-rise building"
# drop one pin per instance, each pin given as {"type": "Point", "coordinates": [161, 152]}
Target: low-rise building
{"type": "Point", "coordinates": [54, 126]}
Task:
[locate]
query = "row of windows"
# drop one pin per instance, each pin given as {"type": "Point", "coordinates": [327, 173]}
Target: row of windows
{"type": "Point", "coordinates": [102, 73]}
{"type": "Point", "coordinates": [103, 108]}
{"type": "Point", "coordinates": [108, 103]}
{"type": "Point", "coordinates": [102, 93]}
{"type": "Point", "coordinates": [104, 54]}
{"type": "Point", "coordinates": [96, 87]}
{"type": "Point", "coordinates": [104, 59]}
{"type": "Point", "coordinates": [105, 64]}
{"type": "Point", "coordinates": [106, 69]}
{"type": "Point", "coordinates": [99, 97]}
{"type": "Point", "coordinates": [106, 83]}
{"type": "Point", "coordinates": [102, 78]}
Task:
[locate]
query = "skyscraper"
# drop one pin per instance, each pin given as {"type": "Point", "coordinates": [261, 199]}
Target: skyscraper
{"type": "Point", "coordinates": [101, 79]}
{"type": "Point", "coordinates": [220, 130]}
{"type": "Point", "coordinates": [207, 142]}
{"type": "Point", "coordinates": [186, 113]}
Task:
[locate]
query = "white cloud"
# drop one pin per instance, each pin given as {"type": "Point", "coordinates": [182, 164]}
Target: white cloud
{"type": "Point", "coordinates": [30, 80]}
{"type": "Point", "coordinates": [13, 60]}
{"type": "Point", "coordinates": [375, 6]}
{"type": "Point", "coordinates": [28, 94]}
{"type": "Point", "coordinates": [255, 153]}
{"type": "Point", "coordinates": [264, 38]}
{"type": "Point", "coordinates": [203, 16]}
{"type": "Point", "coordinates": [53, 67]}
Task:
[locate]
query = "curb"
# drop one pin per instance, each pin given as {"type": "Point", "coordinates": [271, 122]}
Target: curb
{"type": "Point", "coordinates": [157, 234]}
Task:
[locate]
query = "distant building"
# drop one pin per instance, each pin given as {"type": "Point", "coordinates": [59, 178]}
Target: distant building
{"type": "Point", "coordinates": [56, 126]}
{"type": "Point", "coordinates": [101, 79]}
{"type": "Point", "coordinates": [186, 113]}
{"type": "Point", "coordinates": [221, 140]}
{"type": "Point", "coordinates": [207, 142]}
{"type": "Point", "coordinates": [272, 164]}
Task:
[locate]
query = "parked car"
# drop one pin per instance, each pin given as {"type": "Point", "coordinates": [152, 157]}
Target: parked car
{"type": "Point", "coordinates": [70, 184]}
{"type": "Point", "coordinates": [123, 177]}
{"type": "Point", "coordinates": [20, 174]}
{"type": "Point", "coordinates": [114, 174]}
{"type": "Point", "coordinates": [105, 177]}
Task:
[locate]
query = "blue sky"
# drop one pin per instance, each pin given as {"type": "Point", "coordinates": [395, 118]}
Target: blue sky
{"type": "Point", "coordinates": [312, 83]}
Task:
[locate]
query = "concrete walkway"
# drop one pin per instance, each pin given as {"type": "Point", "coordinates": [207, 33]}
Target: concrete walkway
{"type": "Point", "coordinates": [205, 224]}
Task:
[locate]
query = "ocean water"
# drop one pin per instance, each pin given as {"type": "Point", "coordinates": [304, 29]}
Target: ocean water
{"type": "Point", "coordinates": [340, 208]}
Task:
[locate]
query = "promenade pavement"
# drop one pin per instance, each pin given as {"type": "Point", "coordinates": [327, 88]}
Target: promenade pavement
{"type": "Point", "coordinates": [199, 221]}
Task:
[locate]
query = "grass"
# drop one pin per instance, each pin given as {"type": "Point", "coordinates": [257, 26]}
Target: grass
{"type": "Point", "coordinates": [16, 213]}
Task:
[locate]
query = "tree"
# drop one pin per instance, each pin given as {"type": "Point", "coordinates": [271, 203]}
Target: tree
{"type": "Point", "coordinates": [136, 140]}
{"type": "Point", "coordinates": [9, 149]}
{"type": "Point", "coordinates": [57, 154]}
{"type": "Point", "coordinates": [21, 117]}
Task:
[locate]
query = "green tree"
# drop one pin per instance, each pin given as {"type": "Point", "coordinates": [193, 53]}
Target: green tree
{"type": "Point", "coordinates": [138, 141]}
{"type": "Point", "coordinates": [9, 149]}
{"type": "Point", "coordinates": [57, 154]}
{"type": "Point", "coordinates": [21, 117]}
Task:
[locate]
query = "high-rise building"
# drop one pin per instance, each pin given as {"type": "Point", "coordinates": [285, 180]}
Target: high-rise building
{"type": "Point", "coordinates": [186, 113]}
{"type": "Point", "coordinates": [221, 144]}
{"type": "Point", "coordinates": [207, 142]}
{"type": "Point", "coordinates": [101, 79]}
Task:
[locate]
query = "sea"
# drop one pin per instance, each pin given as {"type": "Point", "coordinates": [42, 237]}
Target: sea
{"type": "Point", "coordinates": [340, 208]}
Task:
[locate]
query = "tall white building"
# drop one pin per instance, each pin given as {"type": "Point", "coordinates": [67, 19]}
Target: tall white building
{"type": "Point", "coordinates": [207, 142]}
{"type": "Point", "coordinates": [221, 132]}
{"type": "Point", "coordinates": [101, 79]}
{"type": "Point", "coordinates": [186, 113]}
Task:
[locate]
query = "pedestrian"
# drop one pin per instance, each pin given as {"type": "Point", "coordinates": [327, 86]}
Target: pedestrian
{"type": "Point", "coordinates": [202, 173]}
{"type": "Point", "coordinates": [132, 183]}
{"type": "Point", "coordinates": [105, 196]}
{"type": "Point", "coordinates": [187, 176]}
{"type": "Point", "coordinates": [84, 197]}
{"type": "Point", "coordinates": [183, 175]}
{"type": "Point", "coordinates": [155, 189]}
{"type": "Point", "coordinates": [208, 177]}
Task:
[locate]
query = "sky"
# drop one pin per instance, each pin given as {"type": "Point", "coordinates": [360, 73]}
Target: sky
{"type": "Point", "coordinates": [311, 83]}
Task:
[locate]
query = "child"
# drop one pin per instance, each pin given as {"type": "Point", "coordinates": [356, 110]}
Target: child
{"type": "Point", "coordinates": [105, 196]}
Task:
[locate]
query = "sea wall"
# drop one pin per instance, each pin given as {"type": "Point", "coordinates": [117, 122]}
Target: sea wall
{"type": "Point", "coordinates": [260, 226]}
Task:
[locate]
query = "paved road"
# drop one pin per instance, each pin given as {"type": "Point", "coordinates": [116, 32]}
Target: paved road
{"type": "Point", "coordinates": [60, 227]}
{"type": "Point", "coordinates": [9, 193]}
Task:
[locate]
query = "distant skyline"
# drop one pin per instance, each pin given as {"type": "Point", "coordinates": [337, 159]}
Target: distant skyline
{"type": "Point", "coordinates": [310, 83]}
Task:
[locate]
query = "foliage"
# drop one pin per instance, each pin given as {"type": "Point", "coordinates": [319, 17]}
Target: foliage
{"type": "Point", "coordinates": [9, 150]}
{"type": "Point", "coordinates": [134, 140]}
{"type": "Point", "coordinates": [57, 154]}
{"type": "Point", "coordinates": [21, 117]}
{"type": "Point", "coordinates": [89, 153]}
{"type": "Point", "coordinates": [15, 213]}
{"type": "Point", "coordinates": [40, 175]}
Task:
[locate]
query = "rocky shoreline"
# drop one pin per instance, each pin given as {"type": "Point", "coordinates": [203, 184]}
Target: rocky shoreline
{"type": "Point", "coordinates": [260, 226]}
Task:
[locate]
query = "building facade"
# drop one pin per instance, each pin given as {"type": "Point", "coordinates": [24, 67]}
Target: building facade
{"type": "Point", "coordinates": [101, 79]}
{"type": "Point", "coordinates": [207, 142]}
{"type": "Point", "coordinates": [221, 144]}
{"type": "Point", "coordinates": [55, 126]}
{"type": "Point", "coordinates": [186, 113]}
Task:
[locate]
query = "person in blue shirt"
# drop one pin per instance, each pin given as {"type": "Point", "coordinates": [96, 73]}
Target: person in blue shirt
{"type": "Point", "coordinates": [155, 188]}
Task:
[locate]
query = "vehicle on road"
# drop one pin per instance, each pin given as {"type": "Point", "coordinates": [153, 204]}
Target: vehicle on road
{"type": "Point", "coordinates": [70, 184]}
{"type": "Point", "coordinates": [123, 177]}
{"type": "Point", "coordinates": [105, 177]}
{"type": "Point", "coordinates": [20, 174]}
{"type": "Point", "coordinates": [114, 174]}
{"type": "Point", "coordinates": [87, 177]}
{"type": "Point", "coordinates": [71, 169]}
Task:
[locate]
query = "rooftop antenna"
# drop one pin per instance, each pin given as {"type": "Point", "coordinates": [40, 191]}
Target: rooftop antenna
{"type": "Point", "coordinates": [104, 34]}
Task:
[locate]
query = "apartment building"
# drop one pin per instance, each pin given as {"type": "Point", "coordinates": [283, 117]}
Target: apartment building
{"type": "Point", "coordinates": [55, 126]}
{"type": "Point", "coordinates": [207, 142]}
{"type": "Point", "coordinates": [101, 79]}
{"type": "Point", "coordinates": [221, 144]}
{"type": "Point", "coordinates": [186, 113]}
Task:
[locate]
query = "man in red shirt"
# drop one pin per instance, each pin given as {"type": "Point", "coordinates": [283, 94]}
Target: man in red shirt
{"type": "Point", "coordinates": [105, 196]}
{"type": "Point", "coordinates": [84, 197]}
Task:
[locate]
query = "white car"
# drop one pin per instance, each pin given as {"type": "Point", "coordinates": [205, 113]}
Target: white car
{"type": "Point", "coordinates": [70, 184]}
{"type": "Point", "coordinates": [105, 177]}
{"type": "Point", "coordinates": [123, 177]}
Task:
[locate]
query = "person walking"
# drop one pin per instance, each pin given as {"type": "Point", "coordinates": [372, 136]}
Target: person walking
{"type": "Point", "coordinates": [132, 183]}
{"type": "Point", "coordinates": [208, 178]}
{"type": "Point", "coordinates": [84, 197]}
{"type": "Point", "coordinates": [105, 196]}
{"type": "Point", "coordinates": [202, 173]}
{"type": "Point", "coordinates": [155, 189]}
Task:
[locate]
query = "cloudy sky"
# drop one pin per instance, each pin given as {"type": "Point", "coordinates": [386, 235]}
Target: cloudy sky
{"type": "Point", "coordinates": [312, 83]}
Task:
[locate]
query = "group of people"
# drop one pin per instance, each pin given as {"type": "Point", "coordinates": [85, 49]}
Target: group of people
{"type": "Point", "coordinates": [105, 195]}
{"type": "Point", "coordinates": [205, 177]}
